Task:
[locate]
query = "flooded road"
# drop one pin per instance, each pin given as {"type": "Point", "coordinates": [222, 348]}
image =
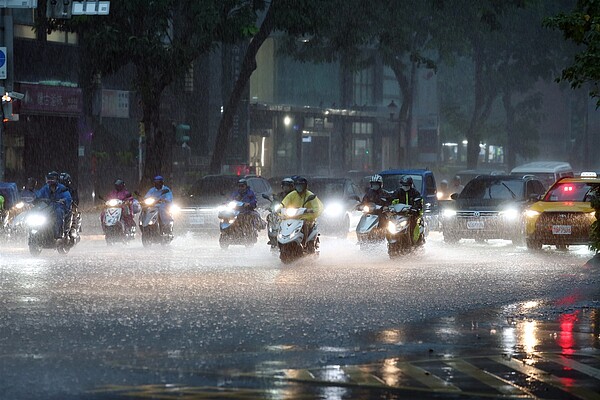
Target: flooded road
{"type": "Point", "coordinates": [103, 321]}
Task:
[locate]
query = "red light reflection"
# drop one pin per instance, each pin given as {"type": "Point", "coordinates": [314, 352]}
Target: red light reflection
{"type": "Point", "coordinates": [566, 339]}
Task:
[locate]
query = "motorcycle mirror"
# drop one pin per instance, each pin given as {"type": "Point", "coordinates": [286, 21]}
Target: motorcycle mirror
{"type": "Point", "coordinates": [164, 191]}
{"type": "Point", "coordinates": [454, 196]}
{"type": "Point", "coordinates": [266, 196]}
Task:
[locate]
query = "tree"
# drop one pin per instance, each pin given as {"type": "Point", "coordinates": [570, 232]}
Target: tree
{"type": "Point", "coordinates": [582, 27]}
{"type": "Point", "coordinates": [295, 17]}
{"type": "Point", "coordinates": [159, 39]}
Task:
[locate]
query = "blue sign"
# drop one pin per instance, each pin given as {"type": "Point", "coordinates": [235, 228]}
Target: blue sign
{"type": "Point", "coordinates": [2, 62]}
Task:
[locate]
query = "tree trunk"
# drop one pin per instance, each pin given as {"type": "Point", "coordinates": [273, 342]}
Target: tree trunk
{"type": "Point", "coordinates": [511, 137]}
{"type": "Point", "coordinates": [248, 67]}
{"type": "Point", "coordinates": [155, 138]}
{"type": "Point", "coordinates": [407, 87]}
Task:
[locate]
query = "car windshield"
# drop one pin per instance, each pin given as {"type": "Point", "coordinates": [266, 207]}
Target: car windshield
{"type": "Point", "coordinates": [497, 189]}
{"type": "Point", "coordinates": [214, 187]}
{"type": "Point", "coordinates": [569, 191]}
{"type": "Point", "coordinates": [392, 182]}
{"type": "Point", "coordinates": [327, 189]}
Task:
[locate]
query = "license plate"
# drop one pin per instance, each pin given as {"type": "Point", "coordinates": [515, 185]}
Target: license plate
{"type": "Point", "coordinates": [561, 229]}
{"type": "Point", "coordinates": [197, 220]}
{"type": "Point", "coordinates": [475, 225]}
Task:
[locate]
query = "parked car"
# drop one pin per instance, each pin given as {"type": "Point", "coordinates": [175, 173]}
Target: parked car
{"type": "Point", "coordinates": [491, 207]}
{"type": "Point", "coordinates": [547, 171]}
{"type": "Point", "coordinates": [198, 208]}
{"type": "Point", "coordinates": [340, 196]}
{"type": "Point", "coordinates": [564, 215]}
{"type": "Point", "coordinates": [424, 182]}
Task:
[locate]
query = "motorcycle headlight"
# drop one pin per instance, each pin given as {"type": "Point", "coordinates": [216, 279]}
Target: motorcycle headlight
{"type": "Point", "coordinates": [19, 205]}
{"type": "Point", "coordinates": [277, 207]}
{"type": "Point", "coordinates": [232, 205]}
{"type": "Point", "coordinates": [531, 213]}
{"type": "Point", "coordinates": [449, 213]}
{"type": "Point", "coordinates": [392, 228]}
{"type": "Point", "coordinates": [291, 212]}
{"type": "Point", "coordinates": [366, 209]}
{"type": "Point", "coordinates": [440, 195]}
{"type": "Point", "coordinates": [112, 203]}
{"type": "Point", "coordinates": [511, 214]}
{"type": "Point", "coordinates": [36, 220]}
{"type": "Point", "coordinates": [334, 209]}
{"type": "Point", "coordinates": [149, 201]}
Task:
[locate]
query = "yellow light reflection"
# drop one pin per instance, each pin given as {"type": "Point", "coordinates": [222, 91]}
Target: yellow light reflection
{"type": "Point", "coordinates": [390, 336]}
{"type": "Point", "coordinates": [530, 304]}
{"type": "Point", "coordinates": [390, 373]}
{"type": "Point", "coordinates": [527, 336]}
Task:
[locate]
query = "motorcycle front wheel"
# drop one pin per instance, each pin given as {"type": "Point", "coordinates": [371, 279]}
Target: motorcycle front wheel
{"type": "Point", "coordinates": [289, 252]}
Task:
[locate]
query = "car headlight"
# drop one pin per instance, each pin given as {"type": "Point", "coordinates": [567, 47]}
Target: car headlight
{"type": "Point", "coordinates": [510, 214]}
{"type": "Point", "coordinates": [175, 209]}
{"type": "Point", "coordinates": [19, 205]}
{"type": "Point", "coordinates": [334, 209]}
{"type": "Point", "coordinates": [149, 201]}
{"type": "Point", "coordinates": [592, 214]}
{"type": "Point", "coordinates": [277, 207]}
{"type": "Point", "coordinates": [112, 203]}
{"type": "Point", "coordinates": [531, 213]}
{"type": "Point", "coordinates": [449, 213]}
{"type": "Point", "coordinates": [36, 220]}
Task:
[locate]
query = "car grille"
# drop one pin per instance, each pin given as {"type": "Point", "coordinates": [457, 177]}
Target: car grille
{"type": "Point", "coordinates": [477, 214]}
{"type": "Point", "coordinates": [579, 222]}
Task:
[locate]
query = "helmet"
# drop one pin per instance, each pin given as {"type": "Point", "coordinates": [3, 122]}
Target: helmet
{"type": "Point", "coordinates": [300, 180]}
{"type": "Point", "coordinates": [158, 178]}
{"type": "Point", "coordinates": [64, 178]}
{"type": "Point", "coordinates": [243, 181]}
{"type": "Point", "coordinates": [52, 177]}
{"type": "Point", "coordinates": [376, 179]}
{"type": "Point", "coordinates": [287, 182]}
{"type": "Point", "coordinates": [406, 181]}
{"type": "Point", "coordinates": [119, 184]}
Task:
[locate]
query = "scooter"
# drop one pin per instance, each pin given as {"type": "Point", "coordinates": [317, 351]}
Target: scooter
{"type": "Point", "coordinates": [368, 231]}
{"type": "Point", "coordinates": [113, 223]}
{"type": "Point", "coordinates": [291, 240]}
{"type": "Point", "coordinates": [235, 227]}
{"type": "Point", "coordinates": [40, 224]}
{"type": "Point", "coordinates": [400, 230]}
{"type": "Point", "coordinates": [152, 228]}
{"type": "Point", "coordinates": [273, 221]}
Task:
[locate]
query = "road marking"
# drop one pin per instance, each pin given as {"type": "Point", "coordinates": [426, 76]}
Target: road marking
{"type": "Point", "coordinates": [501, 385]}
{"type": "Point", "coordinates": [570, 363]}
{"type": "Point", "coordinates": [357, 374]}
{"type": "Point", "coordinates": [546, 377]}
{"type": "Point", "coordinates": [431, 381]}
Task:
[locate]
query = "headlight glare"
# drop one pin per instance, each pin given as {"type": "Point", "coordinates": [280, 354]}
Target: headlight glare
{"type": "Point", "coordinates": [531, 213]}
{"type": "Point", "coordinates": [449, 213]}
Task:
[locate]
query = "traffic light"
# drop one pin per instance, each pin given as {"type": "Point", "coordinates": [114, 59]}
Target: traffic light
{"type": "Point", "coordinates": [59, 9]}
{"type": "Point", "coordinates": [182, 133]}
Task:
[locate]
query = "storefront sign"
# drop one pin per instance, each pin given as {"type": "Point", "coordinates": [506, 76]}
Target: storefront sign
{"type": "Point", "coordinates": [58, 100]}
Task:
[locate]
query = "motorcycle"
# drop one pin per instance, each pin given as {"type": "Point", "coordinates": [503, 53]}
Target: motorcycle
{"type": "Point", "coordinates": [400, 229]}
{"type": "Point", "coordinates": [235, 227]}
{"type": "Point", "coordinates": [273, 220]}
{"type": "Point", "coordinates": [290, 238]}
{"type": "Point", "coordinates": [152, 228]}
{"type": "Point", "coordinates": [368, 230]}
{"type": "Point", "coordinates": [40, 225]}
{"type": "Point", "coordinates": [113, 221]}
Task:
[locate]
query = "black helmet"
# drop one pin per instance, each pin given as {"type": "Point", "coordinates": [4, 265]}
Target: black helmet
{"type": "Point", "coordinates": [300, 180]}
{"type": "Point", "coordinates": [406, 181]}
{"type": "Point", "coordinates": [52, 177]}
{"type": "Point", "coordinates": [64, 178]}
{"type": "Point", "coordinates": [119, 184]}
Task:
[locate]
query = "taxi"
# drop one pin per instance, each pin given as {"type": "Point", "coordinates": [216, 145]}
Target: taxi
{"type": "Point", "coordinates": [564, 215]}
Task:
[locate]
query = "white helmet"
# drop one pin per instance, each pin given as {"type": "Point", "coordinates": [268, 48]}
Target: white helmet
{"type": "Point", "coordinates": [376, 179]}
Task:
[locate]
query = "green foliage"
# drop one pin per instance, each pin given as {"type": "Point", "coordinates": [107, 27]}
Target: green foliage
{"type": "Point", "coordinates": [595, 228]}
{"type": "Point", "coordinates": [582, 27]}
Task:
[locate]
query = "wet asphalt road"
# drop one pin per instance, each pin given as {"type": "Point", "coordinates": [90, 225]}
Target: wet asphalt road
{"type": "Point", "coordinates": [125, 321]}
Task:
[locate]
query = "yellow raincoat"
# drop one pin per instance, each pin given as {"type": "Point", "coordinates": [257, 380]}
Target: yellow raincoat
{"type": "Point", "coordinates": [295, 200]}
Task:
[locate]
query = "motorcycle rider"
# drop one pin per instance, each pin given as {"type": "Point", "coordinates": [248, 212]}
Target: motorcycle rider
{"type": "Point", "coordinates": [287, 185]}
{"type": "Point", "coordinates": [376, 194]}
{"type": "Point", "coordinates": [120, 192]}
{"type": "Point", "coordinates": [407, 194]}
{"type": "Point", "coordinates": [61, 201]}
{"type": "Point", "coordinates": [164, 201]}
{"type": "Point", "coordinates": [65, 179]}
{"type": "Point", "coordinates": [248, 214]}
{"type": "Point", "coordinates": [28, 192]}
{"type": "Point", "coordinates": [297, 199]}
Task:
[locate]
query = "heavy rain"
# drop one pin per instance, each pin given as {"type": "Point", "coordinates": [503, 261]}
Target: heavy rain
{"type": "Point", "coordinates": [299, 199]}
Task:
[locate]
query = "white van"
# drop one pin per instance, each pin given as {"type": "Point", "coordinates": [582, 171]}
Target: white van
{"type": "Point", "coordinates": [547, 171]}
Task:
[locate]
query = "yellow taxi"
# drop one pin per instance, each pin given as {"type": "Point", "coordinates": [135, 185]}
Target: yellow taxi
{"type": "Point", "coordinates": [564, 214]}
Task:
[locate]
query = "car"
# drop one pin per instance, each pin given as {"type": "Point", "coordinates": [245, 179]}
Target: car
{"type": "Point", "coordinates": [424, 182]}
{"type": "Point", "coordinates": [547, 171]}
{"type": "Point", "coordinates": [198, 207]}
{"type": "Point", "coordinates": [340, 197]}
{"type": "Point", "coordinates": [467, 174]}
{"type": "Point", "coordinates": [491, 207]}
{"type": "Point", "coordinates": [564, 215]}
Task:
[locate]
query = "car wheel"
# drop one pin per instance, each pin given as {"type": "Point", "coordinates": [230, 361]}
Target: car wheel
{"type": "Point", "coordinates": [533, 244]}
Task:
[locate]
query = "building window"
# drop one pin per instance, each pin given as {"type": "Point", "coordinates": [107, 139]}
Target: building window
{"type": "Point", "coordinates": [364, 86]}
{"type": "Point", "coordinates": [362, 146]}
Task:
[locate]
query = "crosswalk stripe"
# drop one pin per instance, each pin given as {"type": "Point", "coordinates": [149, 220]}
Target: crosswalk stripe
{"type": "Point", "coordinates": [431, 381]}
{"type": "Point", "coordinates": [501, 385]}
{"type": "Point", "coordinates": [299, 374]}
{"type": "Point", "coordinates": [547, 378]}
{"type": "Point", "coordinates": [576, 365]}
{"type": "Point", "coordinates": [362, 377]}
